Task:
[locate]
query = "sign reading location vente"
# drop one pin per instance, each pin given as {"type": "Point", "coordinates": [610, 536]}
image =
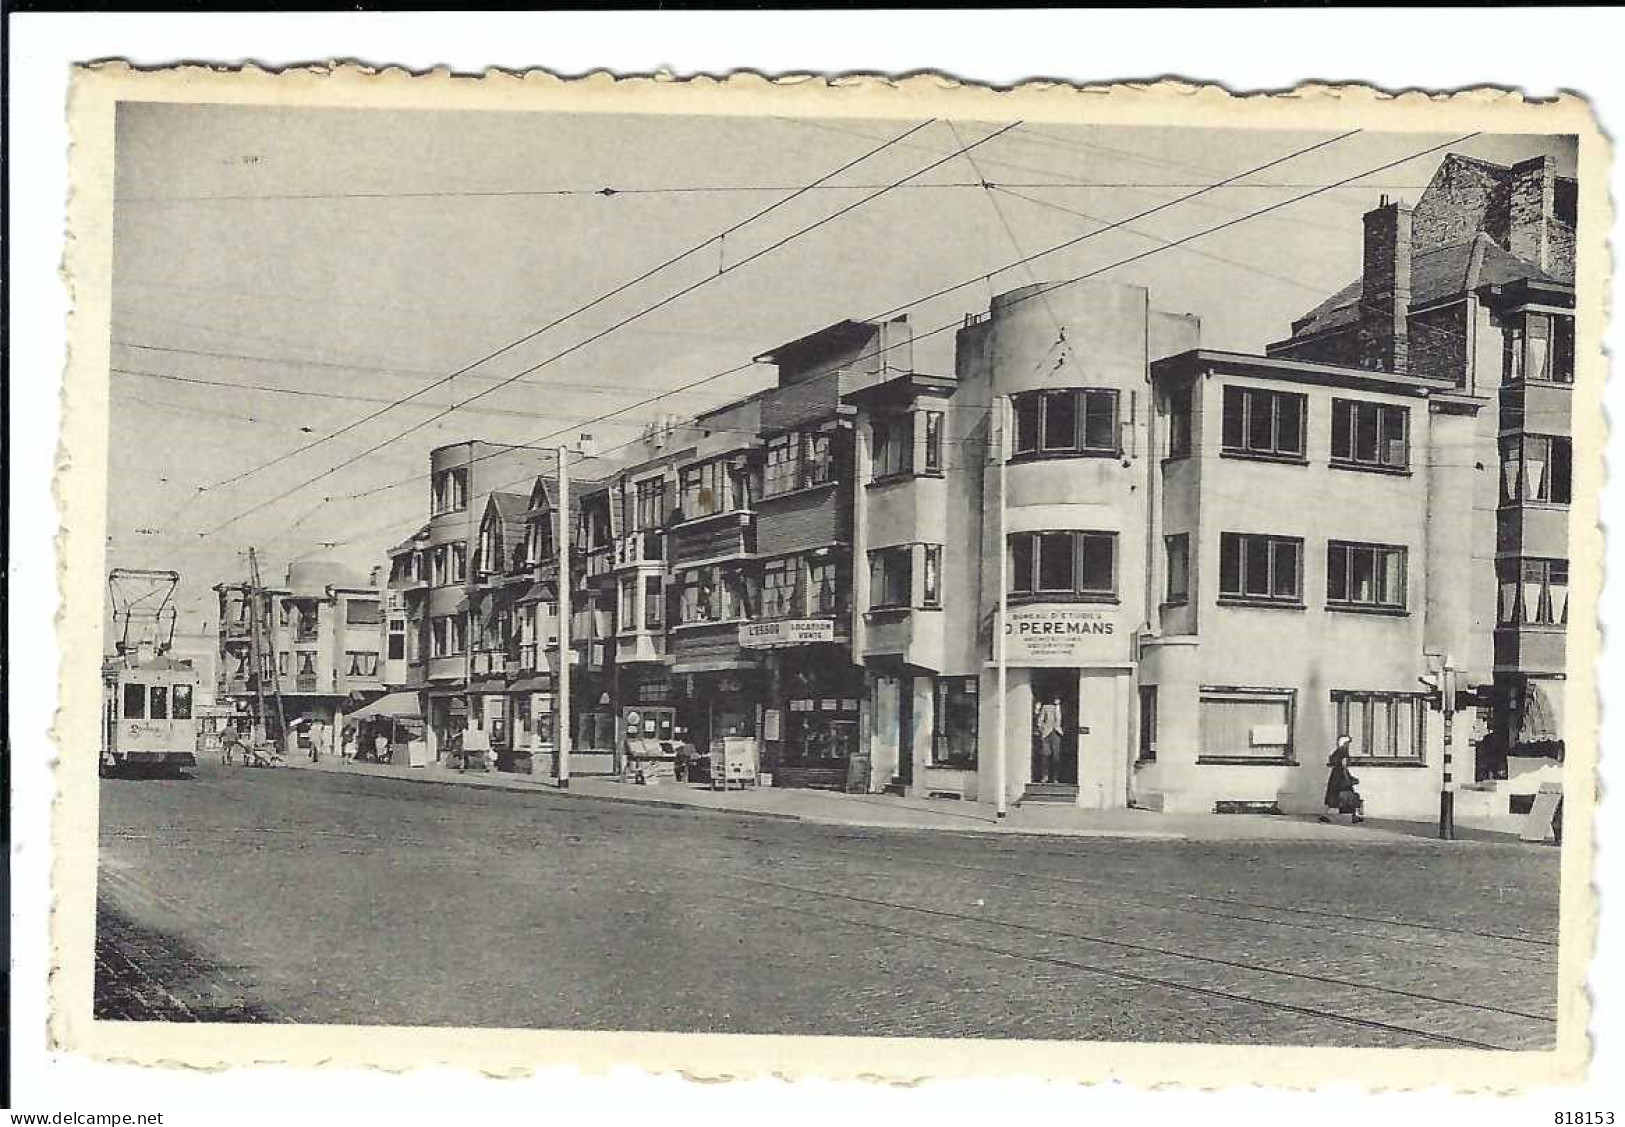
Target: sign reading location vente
{"type": "Point", "coordinates": [1063, 634]}
{"type": "Point", "coordinates": [786, 632]}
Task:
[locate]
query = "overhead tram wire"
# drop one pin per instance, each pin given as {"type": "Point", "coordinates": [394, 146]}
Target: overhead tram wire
{"type": "Point", "coordinates": [974, 280]}
{"type": "Point", "coordinates": [957, 323]}
{"type": "Point", "coordinates": [730, 268]}
{"type": "Point", "coordinates": [594, 303]}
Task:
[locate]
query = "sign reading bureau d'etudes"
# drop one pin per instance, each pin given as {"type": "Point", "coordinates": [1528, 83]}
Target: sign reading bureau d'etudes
{"type": "Point", "coordinates": [1062, 634]}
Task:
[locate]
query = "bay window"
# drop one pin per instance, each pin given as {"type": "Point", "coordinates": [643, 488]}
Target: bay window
{"type": "Point", "coordinates": [1537, 468]}
{"type": "Point", "coordinates": [1064, 564]}
{"type": "Point", "coordinates": [1066, 421]}
{"type": "Point", "coordinates": [1533, 592]}
{"type": "Point", "coordinates": [893, 445]}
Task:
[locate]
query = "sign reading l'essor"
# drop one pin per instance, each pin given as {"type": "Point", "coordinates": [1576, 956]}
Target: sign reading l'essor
{"type": "Point", "coordinates": [786, 632]}
{"type": "Point", "coordinates": [1063, 634]}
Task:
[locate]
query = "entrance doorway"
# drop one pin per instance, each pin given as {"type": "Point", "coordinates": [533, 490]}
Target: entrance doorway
{"type": "Point", "coordinates": [1050, 685]}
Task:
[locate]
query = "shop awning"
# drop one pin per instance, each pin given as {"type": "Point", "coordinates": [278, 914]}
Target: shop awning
{"type": "Point", "coordinates": [1540, 717]}
{"type": "Point", "coordinates": [538, 593]}
{"type": "Point", "coordinates": [399, 706]}
{"type": "Point", "coordinates": [532, 685]}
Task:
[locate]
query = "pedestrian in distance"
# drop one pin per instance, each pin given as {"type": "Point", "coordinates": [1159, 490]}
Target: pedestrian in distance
{"type": "Point", "coordinates": [228, 743]}
{"type": "Point", "coordinates": [347, 743]}
{"type": "Point", "coordinates": [318, 740]}
{"type": "Point", "coordinates": [1342, 788]}
{"type": "Point", "coordinates": [380, 748]}
{"type": "Point", "coordinates": [1050, 730]}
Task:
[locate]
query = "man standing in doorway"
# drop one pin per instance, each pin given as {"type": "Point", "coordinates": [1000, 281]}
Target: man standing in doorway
{"type": "Point", "coordinates": [1049, 740]}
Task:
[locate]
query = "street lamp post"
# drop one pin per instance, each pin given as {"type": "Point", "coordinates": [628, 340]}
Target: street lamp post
{"type": "Point", "coordinates": [1442, 680]}
{"type": "Point", "coordinates": [562, 681]}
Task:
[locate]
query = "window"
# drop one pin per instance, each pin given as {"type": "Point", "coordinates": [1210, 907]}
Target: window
{"type": "Point", "coordinates": [458, 570]}
{"type": "Point", "coordinates": [891, 578]}
{"type": "Point", "coordinates": [651, 504]}
{"type": "Point", "coordinates": [459, 633]}
{"type": "Point", "coordinates": [931, 595]}
{"type": "Point", "coordinates": [710, 594]}
{"type": "Point", "coordinates": [654, 595]}
{"type": "Point", "coordinates": [282, 660]}
{"type": "Point", "coordinates": [1066, 421]}
{"type": "Point", "coordinates": [397, 639]}
{"type": "Point", "coordinates": [958, 717]}
{"type": "Point", "coordinates": [307, 663]}
{"type": "Point", "coordinates": [1077, 564]}
{"type": "Point", "coordinates": [933, 442]}
{"type": "Point", "coordinates": [712, 487]}
{"type": "Point", "coordinates": [1179, 422]}
{"type": "Point", "coordinates": [361, 663]}
{"type": "Point", "coordinates": [783, 467]}
{"type": "Point", "coordinates": [159, 709]}
{"type": "Point", "coordinates": [450, 491]}
{"type": "Point", "coordinates": [1383, 726]}
{"type": "Point", "coordinates": [1260, 568]}
{"type": "Point", "coordinates": [135, 701]}
{"type": "Point", "coordinates": [627, 619]}
{"type": "Point", "coordinates": [1539, 346]}
{"type": "Point", "coordinates": [361, 612]}
{"type": "Point", "coordinates": [1245, 725]}
{"type": "Point", "coordinates": [1534, 593]}
{"type": "Point", "coordinates": [1148, 724]}
{"type": "Point", "coordinates": [1266, 423]}
{"type": "Point", "coordinates": [1178, 548]}
{"type": "Point", "coordinates": [1537, 468]}
{"type": "Point", "coordinates": [1365, 575]}
{"type": "Point", "coordinates": [825, 587]}
{"type": "Point", "coordinates": [778, 588]}
{"type": "Point", "coordinates": [1370, 434]}
{"type": "Point", "coordinates": [893, 445]}
{"type": "Point", "coordinates": [180, 698]}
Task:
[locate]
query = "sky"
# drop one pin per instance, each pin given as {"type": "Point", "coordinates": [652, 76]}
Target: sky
{"type": "Point", "coordinates": [280, 274]}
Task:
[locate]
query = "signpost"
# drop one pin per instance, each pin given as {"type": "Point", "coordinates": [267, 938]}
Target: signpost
{"type": "Point", "coordinates": [1442, 680]}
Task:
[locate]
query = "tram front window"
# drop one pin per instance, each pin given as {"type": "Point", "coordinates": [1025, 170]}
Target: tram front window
{"type": "Point", "coordinates": [135, 702]}
{"type": "Point", "coordinates": [181, 699]}
{"type": "Point", "coordinates": [160, 702]}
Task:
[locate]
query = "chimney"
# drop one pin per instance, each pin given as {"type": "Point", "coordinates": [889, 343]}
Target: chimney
{"type": "Point", "coordinates": [1530, 204]}
{"type": "Point", "coordinates": [1385, 287]}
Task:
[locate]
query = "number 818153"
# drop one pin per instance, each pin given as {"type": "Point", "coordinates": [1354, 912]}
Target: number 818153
{"type": "Point", "coordinates": [1583, 1118]}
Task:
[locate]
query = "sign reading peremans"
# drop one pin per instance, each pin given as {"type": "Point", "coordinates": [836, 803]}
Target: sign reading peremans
{"type": "Point", "coordinates": [1063, 634]}
{"type": "Point", "coordinates": [787, 632]}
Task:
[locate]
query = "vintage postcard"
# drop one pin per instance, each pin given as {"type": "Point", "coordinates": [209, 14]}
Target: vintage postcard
{"type": "Point", "coordinates": [851, 578]}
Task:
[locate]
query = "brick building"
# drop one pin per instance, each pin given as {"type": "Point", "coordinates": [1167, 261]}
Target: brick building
{"type": "Point", "coordinates": [1475, 286]}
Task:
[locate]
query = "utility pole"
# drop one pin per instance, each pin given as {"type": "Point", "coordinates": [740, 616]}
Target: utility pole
{"type": "Point", "coordinates": [1001, 427]}
{"type": "Point", "coordinates": [261, 599]}
{"type": "Point", "coordinates": [562, 681]}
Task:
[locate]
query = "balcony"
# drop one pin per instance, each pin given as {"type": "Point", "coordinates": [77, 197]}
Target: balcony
{"type": "Point", "coordinates": [728, 536]}
{"type": "Point", "coordinates": [1531, 649]}
{"type": "Point", "coordinates": [909, 634]}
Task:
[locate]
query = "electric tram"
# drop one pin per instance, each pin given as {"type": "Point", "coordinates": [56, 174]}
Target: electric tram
{"type": "Point", "coordinates": [148, 697]}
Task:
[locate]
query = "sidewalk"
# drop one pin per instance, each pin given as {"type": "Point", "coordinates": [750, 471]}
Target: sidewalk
{"type": "Point", "coordinates": [890, 812]}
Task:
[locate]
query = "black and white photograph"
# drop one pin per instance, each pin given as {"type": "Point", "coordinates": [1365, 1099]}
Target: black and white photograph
{"type": "Point", "coordinates": [909, 569]}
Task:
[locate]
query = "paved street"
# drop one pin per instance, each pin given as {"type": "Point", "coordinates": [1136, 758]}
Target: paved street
{"type": "Point", "coordinates": [299, 896]}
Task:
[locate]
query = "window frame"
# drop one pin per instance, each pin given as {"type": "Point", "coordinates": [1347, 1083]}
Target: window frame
{"type": "Point", "coordinates": [1180, 594]}
{"type": "Point", "coordinates": [894, 561]}
{"type": "Point", "coordinates": [1180, 410]}
{"type": "Point", "coordinates": [1271, 598]}
{"type": "Point", "coordinates": [932, 454]}
{"type": "Point", "coordinates": [1346, 423]}
{"type": "Point", "coordinates": [1034, 425]}
{"type": "Point", "coordinates": [1515, 451]}
{"type": "Point", "coordinates": [1379, 552]}
{"type": "Point", "coordinates": [931, 576]}
{"type": "Point", "coordinates": [1344, 702]}
{"type": "Point", "coordinates": [944, 699]}
{"type": "Point", "coordinates": [1245, 448]}
{"type": "Point", "coordinates": [1077, 591]}
{"type": "Point", "coordinates": [1216, 694]}
{"type": "Point", "coordinates": [891, 446]}
{"type": "Point", "coordinates": [1544, 575]}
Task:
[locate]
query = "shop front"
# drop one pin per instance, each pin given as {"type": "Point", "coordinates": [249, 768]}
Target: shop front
{"type": "Point", "coordinates": [447, 719]}
{"type": "Point", "coordinates": [1067, 718]}
{"type": "Point", "coordinates": [811, 722]}
{"type": "Point", "coordinates": [722, 713]}
{"type": "Point", "coordinates": [531, 717]}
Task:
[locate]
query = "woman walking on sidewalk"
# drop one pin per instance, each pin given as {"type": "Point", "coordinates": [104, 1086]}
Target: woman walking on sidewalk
{"type": "Point", "coordinates": [1342, 795]}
